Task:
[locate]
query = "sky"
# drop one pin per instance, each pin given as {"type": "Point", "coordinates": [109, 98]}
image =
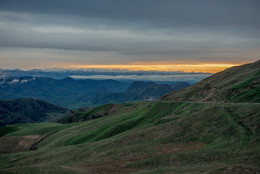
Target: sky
{"type": "Point", "coordinates": [160, 35]}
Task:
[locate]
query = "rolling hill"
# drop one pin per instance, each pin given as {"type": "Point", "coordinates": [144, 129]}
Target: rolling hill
{"type": "Point", "coordinates": [84, 114]}
{"type": "Point", "coordinates": [28, 111]}
{"type": "Point", "coordinates": [236, 84]}
{"type": "Point", "coordinates": [203, 135]}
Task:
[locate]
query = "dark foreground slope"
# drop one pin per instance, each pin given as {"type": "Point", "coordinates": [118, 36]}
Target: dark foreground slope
{"type": "Point", "coordinates": [145, 137]}
{"type": "Point", "coordinates": [28, 111]}
{"type": "Point", "coordinates": [157, 137]}
{"type": "Point", "coordinates": [236, 84]}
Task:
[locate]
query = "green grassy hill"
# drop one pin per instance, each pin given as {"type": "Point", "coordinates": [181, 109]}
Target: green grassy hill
{"type": "Point", "coordinates": [236, 84]}
{"type": "Point", "coordinates": [144, 137]}
{"type": "Point", "coordinates": [84, 114]}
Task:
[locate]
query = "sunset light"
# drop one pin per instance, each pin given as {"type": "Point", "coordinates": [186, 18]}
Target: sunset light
{"type": "Point", "coordinates": [205, 68]}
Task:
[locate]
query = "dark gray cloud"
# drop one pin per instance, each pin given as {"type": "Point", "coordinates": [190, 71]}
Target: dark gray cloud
{"type": "Point", "coordinates": [166, 12]}
{"type": "Point", "coordinates": [131, 30]}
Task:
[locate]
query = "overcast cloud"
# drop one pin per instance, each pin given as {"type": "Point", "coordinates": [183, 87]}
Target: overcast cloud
{"type": "Point", "coordinates": [123, 31]}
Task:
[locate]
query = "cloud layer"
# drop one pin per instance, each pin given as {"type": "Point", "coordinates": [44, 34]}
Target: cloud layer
{"type": "Point", "coordinates": [46, 32]}
{"type": "Point", "coordinates": [191, 78]}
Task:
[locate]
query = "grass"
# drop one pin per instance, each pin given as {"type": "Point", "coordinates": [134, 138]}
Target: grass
{"type": "Point", "coordinates": [239, 95]}
{"type": "Point", "coordinates": [246, 82]}
{"type": "Point", "coordinates": [143, 117]}
{"type": "Point", "coordinates": [36, 129]}
{"type": "Point", "coordinates": [146, 137]}
{"type": "Point", "coordinates": [244, 132]}
{"type": "Point", "coordinates": [7, 130]}
{"type": "Point", "coordinates": [128, 121]}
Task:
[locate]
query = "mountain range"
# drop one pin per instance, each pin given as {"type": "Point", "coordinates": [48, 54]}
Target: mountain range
{"type": "Point", "coordinates": [65, 92]}
{"type": "Point", "coordinates": [166, 77]}
{"type": "Point", "coordinates": [72, 93]}
{"type": "Point", "coordinates": [139, 90]}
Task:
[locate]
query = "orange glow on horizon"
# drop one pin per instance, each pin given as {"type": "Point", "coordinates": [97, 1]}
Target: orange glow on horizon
{"type": "Point", "coordinates": [204, 68]}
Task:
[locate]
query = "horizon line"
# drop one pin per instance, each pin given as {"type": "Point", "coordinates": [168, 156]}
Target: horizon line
{"type": "Point", "coordinates": [182, 68]}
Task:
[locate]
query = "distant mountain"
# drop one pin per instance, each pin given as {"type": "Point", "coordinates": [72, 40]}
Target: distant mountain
{"type": "Point", "coordinates": [28, 111]}
{"type": "Point", "coordinates": [72, 93]}
{"type": "Point", "coordinates": [139, 85]}
{"type": "Point", "coordinates": [180, 85]}
{"type": "Point", "coordinates": [236, 84]}
{"type": "Point", "coordinates": [66, 92]}
{"type": "Point", "coordinates": [163, 77]}
{"type": "Point", "coordinates": [139, 90]}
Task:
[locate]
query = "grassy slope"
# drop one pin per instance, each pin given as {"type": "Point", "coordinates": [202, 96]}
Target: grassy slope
{"type": "Point", "coordinates": [84, 114]}
{"type": "Point", "coordinates": [156, 137]}
{"type": "Point", "coordinates": [236, 84]}
{"type": "Point", "coordinates": [248, 90]}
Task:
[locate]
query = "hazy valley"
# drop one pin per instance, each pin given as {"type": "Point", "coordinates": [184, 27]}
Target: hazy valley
{"type": "Point", "coordinates": [73, 93]}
